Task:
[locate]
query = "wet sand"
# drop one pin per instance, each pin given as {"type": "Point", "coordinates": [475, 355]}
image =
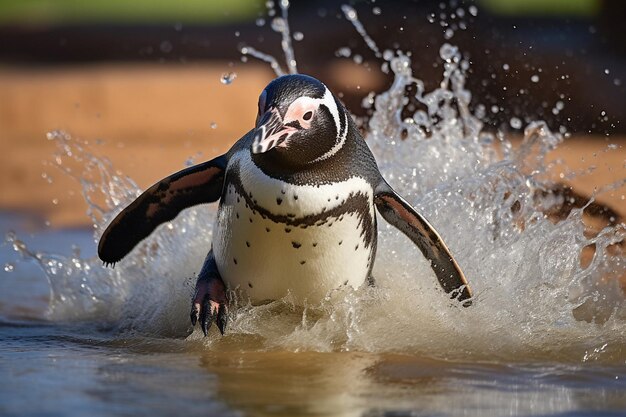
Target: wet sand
{"type": "Point", "coordinates": [150, 119]}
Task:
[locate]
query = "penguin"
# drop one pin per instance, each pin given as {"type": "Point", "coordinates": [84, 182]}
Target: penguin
{"type": "Point", "coordinates": [298, 196]}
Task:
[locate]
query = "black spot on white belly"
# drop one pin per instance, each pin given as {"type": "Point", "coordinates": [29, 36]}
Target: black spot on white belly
{"type": "Point", "coordinates": [296, 245]}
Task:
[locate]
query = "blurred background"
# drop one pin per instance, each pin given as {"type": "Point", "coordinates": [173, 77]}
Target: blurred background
{"type": "Point", "coordinates": [153, 84]}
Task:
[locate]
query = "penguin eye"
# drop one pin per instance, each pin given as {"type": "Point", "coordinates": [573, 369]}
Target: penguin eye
{"type": "Point", "coordinates": [302, 110]}
{"type": "Point", "coordinates": [262, 102]}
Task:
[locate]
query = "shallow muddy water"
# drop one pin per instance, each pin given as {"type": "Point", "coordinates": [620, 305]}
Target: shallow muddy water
{"type": "Point", "coordinates": [71, 371]}
{"type": "Point", "coordinates": [545, 335]}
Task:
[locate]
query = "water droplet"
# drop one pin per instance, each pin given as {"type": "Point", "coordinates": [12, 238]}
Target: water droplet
{"type": "Point", "coordinates": [515, 123]}
{"type": "Point", "coordinates": [166, 47]}
{"type": "Point", "coordinates": [9, 267]}
{"type": "Point", "coordinates": [534, 78]}
{"type": "Point", "coordinates": [349, 12]}
{"type": "Point", "coordinates": [298, 36]}
{"type": "Point", "coordinates": [606, 71]}
{"type": "Point", "coordinates": [237, 34]}
{"type": "Point", "coordinates": [229, 77]}
{"type": "Point", "coordinates": [376, 11]}
{"type": "Point", "coordinates": [505, 67]}
{"type": "Point", "coordinates": [213, 125]}
{"type": "Point", "coordinates": [46, 177]}
{"type": "Point", "coordinates": [344, 52]}
{"type": "Point", "coordinates": [495, 109]}
{"type": "Point", "coordinates": [388, 55]}
{"type": "Point", "coordinates": [447, 52]}
{"type": "Point", "coordinates": [278, 24]}
{"type": "Point", "coordinates": [448, 34]}
{"type": "Point", "coordinates": [260, 21]}
{"type": "Point", "coordinates": [473, 10]}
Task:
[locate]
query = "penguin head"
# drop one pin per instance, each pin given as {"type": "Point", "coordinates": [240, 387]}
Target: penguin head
{"type": "Point", "coordinates": [299, 121]}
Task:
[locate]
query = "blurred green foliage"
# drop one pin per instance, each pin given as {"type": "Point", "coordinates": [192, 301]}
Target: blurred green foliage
{"type": "Point", "coordinates": [132, 11]}
{"type": "Point", "coordinates": [216, 11]}
{"type": "Point", "coordinates": [543, 7]}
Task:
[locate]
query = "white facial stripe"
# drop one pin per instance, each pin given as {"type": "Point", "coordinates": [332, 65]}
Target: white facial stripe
{"type": "Point", "coordinates": [329, 101]}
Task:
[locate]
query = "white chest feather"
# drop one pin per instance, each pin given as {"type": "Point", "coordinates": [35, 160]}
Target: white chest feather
{"type": "Point", "coordinates": [273, 238]}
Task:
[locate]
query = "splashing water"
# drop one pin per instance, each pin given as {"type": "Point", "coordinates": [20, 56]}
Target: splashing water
{"type": "Point", "coordinates": [279, 25]}
{"type": "Point", "coordinates": [533, 296]}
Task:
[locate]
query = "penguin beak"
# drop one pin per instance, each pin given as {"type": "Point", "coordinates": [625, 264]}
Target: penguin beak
{"type": "Point", "coordinates": [270, 132]}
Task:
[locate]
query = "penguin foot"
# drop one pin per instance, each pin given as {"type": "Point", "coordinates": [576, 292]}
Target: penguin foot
{"type": "Point", "coordinates": [210, 304]}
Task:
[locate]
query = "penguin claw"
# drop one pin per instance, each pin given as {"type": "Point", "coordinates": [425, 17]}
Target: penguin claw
{"type": "Point", "coordinates": [209, 305]}
{"type": "Point", "coordinates": [195, 314]}
{"type": "Point", "coordinates": [222, 318]}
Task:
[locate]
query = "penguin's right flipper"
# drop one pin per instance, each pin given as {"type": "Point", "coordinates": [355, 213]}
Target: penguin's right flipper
{"type": "Point", "coordinates": [210, 301]}
{"type": "Point", "coordinates": [400, 214]}
{"type": "Point", "coordinates": [160, 203]}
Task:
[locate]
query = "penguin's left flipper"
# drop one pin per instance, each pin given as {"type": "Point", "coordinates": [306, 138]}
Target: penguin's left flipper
{"type": "Point", "coordinates": [160, 203]}
{"type": "Point", "coordinates": [400, 214]}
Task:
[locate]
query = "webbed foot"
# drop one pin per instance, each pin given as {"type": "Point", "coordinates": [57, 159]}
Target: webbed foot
{"type": "Point", "coordinates": [210, 304]}
{"type": "Point", "coordinates": [210, 301]}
